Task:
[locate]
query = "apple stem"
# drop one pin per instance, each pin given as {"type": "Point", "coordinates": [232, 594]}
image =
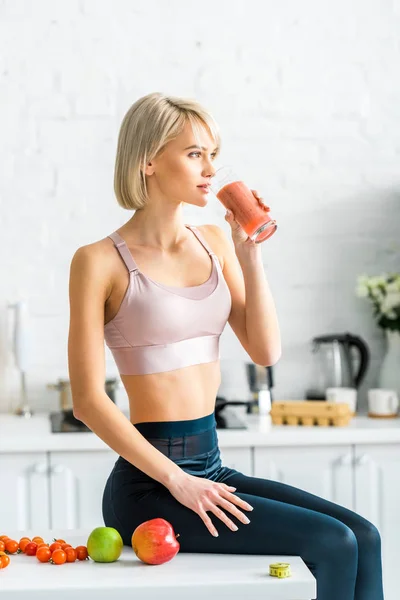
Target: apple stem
{"type": "Point", "coordinates": [177, 535]}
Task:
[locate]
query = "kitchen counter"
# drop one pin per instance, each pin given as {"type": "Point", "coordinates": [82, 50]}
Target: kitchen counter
{"type": "Point", "coordinates": [196, 576]}
{"type": "Point", "coordinates": [18, 434]}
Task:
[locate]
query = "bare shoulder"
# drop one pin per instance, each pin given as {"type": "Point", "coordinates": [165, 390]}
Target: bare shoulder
{"type": "Point", "coordinates": [94, 261]}
{"type": "Point", "coordinates": [218, 241]}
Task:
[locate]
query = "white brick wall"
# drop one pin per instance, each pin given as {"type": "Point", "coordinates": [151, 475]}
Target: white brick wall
{"type": "Point", "coordinates": [307, 95]}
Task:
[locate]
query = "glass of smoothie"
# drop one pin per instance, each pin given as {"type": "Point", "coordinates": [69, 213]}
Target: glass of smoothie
{"type": "Point", "coordinates": [237, 197]}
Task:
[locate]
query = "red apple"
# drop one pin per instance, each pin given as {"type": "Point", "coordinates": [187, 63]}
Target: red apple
{"type": "Point", "coordinates": [155, 542]}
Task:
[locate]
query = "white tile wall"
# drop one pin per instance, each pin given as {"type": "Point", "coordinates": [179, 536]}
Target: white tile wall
{"type": "Point", "coordinates": [307, 95]}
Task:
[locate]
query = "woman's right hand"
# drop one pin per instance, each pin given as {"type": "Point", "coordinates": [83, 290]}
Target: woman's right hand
{"type": "Point", "coordinates": [201, 495]}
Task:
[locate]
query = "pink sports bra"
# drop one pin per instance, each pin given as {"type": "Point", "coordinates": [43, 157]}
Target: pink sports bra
{"type": "Point", "coordinates": [161, 328]}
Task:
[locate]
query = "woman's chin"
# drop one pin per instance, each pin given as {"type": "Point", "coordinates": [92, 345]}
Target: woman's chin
{"type": "Point", "coordinates": [198, 201]}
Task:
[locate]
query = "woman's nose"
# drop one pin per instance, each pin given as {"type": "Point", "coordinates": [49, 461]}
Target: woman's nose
{"type": "Point", "coordinates": [209, 170]}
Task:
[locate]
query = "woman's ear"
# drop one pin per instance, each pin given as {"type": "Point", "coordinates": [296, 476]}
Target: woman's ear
{"type": "Point", "coordinates": [149, 169]}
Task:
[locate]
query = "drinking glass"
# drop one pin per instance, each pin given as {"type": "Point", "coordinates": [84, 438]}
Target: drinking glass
{"type": "Point", "coordinates": [237, 197]}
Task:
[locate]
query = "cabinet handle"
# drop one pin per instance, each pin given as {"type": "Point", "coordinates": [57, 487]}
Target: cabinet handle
{"type": "Point", "coordinates": [57, 469]}
{"type": "Point", "coordinates": [39, 468]}
{"type": "Point", "coordinates": [362, 460]}
{"type": "Point", "coordinates": [345, 459]}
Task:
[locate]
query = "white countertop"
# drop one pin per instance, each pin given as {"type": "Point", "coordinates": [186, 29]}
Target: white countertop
{"type": "Point", "coordinates": [18, 434]}
{"type": "Point", "coordinates": [195, 576]}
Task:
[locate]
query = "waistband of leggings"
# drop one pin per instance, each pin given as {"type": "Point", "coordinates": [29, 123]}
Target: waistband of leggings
{"type": "Point", "coordinates": [176, 429]}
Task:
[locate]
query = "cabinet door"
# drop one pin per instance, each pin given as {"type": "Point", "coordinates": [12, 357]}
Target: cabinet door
{"type": "Point", "coordinates": [77, 481]}
{"type": "Point", "coordinates": [322, 470]}
{"type": "Point", "coordinates": [377, 497]}
{"type": "Point", "coordinates": [237, 458]}
{"type": "Point", "coordinates": [25, 504]}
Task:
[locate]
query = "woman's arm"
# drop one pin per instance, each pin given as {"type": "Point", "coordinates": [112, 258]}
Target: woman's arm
{"type": "Point", "coordinates": [261, 320]}
{"type": "Point", "coordinates": [89, 287]}
{"type": "Point", "coordinates": [253, 316]}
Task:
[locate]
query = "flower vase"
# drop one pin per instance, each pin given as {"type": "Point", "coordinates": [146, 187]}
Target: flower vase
{"type": "Point", "coordinates": [389, 376]}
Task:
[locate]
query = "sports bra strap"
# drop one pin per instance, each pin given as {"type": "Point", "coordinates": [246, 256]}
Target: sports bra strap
{"type": "Point", "coordinates": [123, 249]}
{"type": "Point", "coordinates": [201, 239]}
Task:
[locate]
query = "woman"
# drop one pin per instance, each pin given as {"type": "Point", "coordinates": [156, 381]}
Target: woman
{"type": "Point", "coordinates": [160, 293]}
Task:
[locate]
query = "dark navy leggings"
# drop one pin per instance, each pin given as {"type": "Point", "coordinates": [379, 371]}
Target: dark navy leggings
{"type": "Point", "coordinates": [342, 549]}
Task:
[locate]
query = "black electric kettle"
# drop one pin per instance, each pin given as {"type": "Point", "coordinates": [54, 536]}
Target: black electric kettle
{"type": "Point", "coordinates": [334, 364]}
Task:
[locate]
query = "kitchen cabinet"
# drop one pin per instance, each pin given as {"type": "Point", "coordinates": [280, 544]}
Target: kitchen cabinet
{"type": "Point", "coordinates": [25, 497]}
{"type": "Point", "coordinates": [77, 481]}
{"type": "Point", "coordinates": [364, 478]}
{"type": "Point", "coordinates": [238, 458]}
{"type": "Point", "coordinates": [63, 490]}
{"type": "Point", "coordinates": [377, 498]}
{"type": "Point", "coordinates": [326, 471]}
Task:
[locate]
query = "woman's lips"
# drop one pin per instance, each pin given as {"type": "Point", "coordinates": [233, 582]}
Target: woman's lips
{"type": "Point", "coordinates": [204, 188]}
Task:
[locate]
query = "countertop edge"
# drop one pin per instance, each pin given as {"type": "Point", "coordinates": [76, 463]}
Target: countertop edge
{"type": "Point", "coordinates": [34, 435]}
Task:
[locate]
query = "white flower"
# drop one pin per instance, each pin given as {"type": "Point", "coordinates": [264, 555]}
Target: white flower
{"type": "Point", "coordinates": [362, 286]}
{"type": "Point", "coordinates": [377, 295]}
{"type": "Point", "coordinates": [379, 280]}
{"type": "Point", "coordinates": [392, 287]}
{"type": "Point", "coordinates": [390, 301]}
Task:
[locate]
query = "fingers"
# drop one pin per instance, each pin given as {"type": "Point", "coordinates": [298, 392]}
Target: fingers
{"type": "Point", "coordinates": [214, 499]}
{"type": "Point", "coordinates": [235, 511]}
{"type": "Point", "coordinates": [221, 494]}
{"type": "Point", "coordinates": [260, 199]}
{"type": "Point", "coordinates": [223, 516]}
{"type": "Point", "coordinates": [236, 499]}
{"type": "Point", "coordinates": [207, 521]}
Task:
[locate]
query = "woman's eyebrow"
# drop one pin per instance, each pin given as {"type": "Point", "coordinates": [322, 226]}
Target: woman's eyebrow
{"type": "Point", "coordinates": [198, 147]}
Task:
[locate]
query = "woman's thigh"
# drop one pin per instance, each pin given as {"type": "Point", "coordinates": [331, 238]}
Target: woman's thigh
{"type": "Point", "coordinates": [276, 527]}
{"type": "Point", "coordinates": [282, 492]}
{"type": "Point", "coordinates": [367, 535]}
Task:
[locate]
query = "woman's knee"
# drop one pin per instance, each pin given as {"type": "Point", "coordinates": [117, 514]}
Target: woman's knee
{"type": "Point", "coordinates": [339, 544]}
{"type": "Point", "coordinates": [368, 536]}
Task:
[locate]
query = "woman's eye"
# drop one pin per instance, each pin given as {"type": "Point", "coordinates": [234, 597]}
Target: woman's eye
{"type": "Point", "coordinates": [213, 155]}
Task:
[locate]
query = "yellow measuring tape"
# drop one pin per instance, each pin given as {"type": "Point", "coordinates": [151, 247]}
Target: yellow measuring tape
{"type": "Point", "coordinates": [279, 570]}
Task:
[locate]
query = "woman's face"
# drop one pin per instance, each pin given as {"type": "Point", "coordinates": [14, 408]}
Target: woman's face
{"type": "Point", "coordinates": [182, 167]}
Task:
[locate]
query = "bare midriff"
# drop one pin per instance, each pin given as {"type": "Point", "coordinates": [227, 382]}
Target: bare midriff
{"type": "Point", "coordinates": [186, 393]}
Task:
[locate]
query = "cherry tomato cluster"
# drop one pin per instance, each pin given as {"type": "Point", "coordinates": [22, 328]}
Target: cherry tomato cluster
{"type": "Point", "coordinates": [57, 553]}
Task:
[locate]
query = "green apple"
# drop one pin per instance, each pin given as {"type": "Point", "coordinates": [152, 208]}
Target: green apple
{"type": "Point", "coordinates": [104, 544]}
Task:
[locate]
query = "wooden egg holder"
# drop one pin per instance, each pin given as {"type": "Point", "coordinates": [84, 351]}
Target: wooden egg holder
{"type": "Point", "coordinates": [310, 412]}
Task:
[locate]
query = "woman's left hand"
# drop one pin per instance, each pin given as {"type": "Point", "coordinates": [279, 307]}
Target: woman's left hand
{"type": "Point", "coordinates": [239, 236]}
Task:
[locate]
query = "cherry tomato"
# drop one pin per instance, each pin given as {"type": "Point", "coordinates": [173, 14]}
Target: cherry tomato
{"type": "Point", "coordinates": [23, 543]}
{"type": "Point", "coordinates": [44, 545]}
{"type": "Point", "coordinates": [4, 561]}
{"type": "Point", "coordinates": [11, 546]}
{"type": "Point", "coordinates": [38, 540]}
{"type": "Point", "coordinates": [3, 538]}
{"type": "Point", "coordinates": [58, 557]}
{"type": "Point", "coordinates": [71, 554]}
{"type": "Point", "coordinates": [55, 546]}
{"type": "Point", "coordinates": [43, 554]}
{"type": "Point", "coordinates": [60, 541]}
{"type": "Point", "coordinates": [30, 549]}
{"type": "Point", "coordinates": [81, 552]}
{"type": "Point", "coordinates": [63, 546]}
{"type": "Point", "coordinates": [2, 546]}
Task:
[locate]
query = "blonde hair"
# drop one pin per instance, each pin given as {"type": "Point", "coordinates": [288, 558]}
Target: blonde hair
{"type": "Point", "coordinates": [150, 123]}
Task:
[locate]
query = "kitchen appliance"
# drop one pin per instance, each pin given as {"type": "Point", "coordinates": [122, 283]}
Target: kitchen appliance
{"type": "Point", "coordinates": [334, 364]}
{"type": "Point", "coordinates": [260, 381]}
{"type": "Point", "coordinates": [65, 422]}
{"type": "Point", "coordinates": [21, 347]}
{"type": "Point", "coordinates": [64, 387]}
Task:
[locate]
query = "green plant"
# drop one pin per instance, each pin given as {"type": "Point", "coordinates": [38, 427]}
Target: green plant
{"type": "Point", "coordinates": [384, 293]}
